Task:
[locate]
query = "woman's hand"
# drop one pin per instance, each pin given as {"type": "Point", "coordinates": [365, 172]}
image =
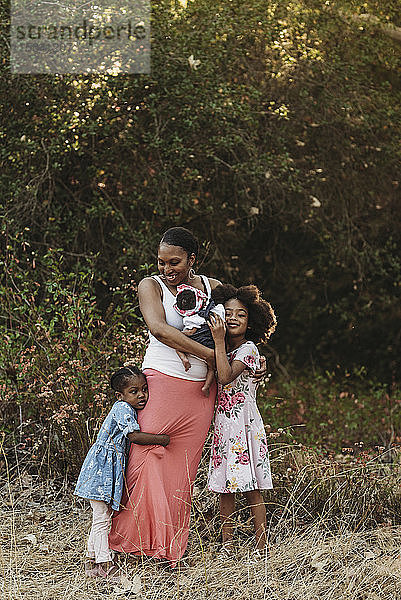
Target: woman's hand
{"type": "Point", "coordinates": [261, 373]}
{"type": "Point", "coordinates": [211, 359]}
{"type": "Point", "coordinates": [218, 328]}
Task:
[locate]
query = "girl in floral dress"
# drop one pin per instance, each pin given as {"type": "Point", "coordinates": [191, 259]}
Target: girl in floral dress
{"type": "Point", "coordinates": [239, 460]}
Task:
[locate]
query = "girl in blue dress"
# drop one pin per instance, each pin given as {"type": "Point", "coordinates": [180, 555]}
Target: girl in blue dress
{"type": "Point", "coordinates": [101, 478]}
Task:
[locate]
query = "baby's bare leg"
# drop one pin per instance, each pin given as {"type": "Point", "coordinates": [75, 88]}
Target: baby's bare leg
{"type": "Point", "coordinates": [182, 355]}
{"type": "Point", "coordinates": [189, 332]}
{"type": "Point", "coordinates": [208, 381]}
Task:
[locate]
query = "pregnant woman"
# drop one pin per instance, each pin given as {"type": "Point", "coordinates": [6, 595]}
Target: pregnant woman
{"type": "Point", "coordinates": [157, 500]}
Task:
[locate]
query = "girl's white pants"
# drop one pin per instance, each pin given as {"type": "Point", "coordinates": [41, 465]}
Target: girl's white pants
{"type": "Point", "coordinates": [98, 542]}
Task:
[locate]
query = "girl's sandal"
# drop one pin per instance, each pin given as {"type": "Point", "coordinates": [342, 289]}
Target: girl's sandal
{"type": "Point", "coordinates": [90, 568]}
{"type": "Point", "coordinates": [112, 574]}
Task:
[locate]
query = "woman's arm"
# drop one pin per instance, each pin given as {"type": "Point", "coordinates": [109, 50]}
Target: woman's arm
{"type": "Point", "coordinates": [261, 373]}
{"type": "Point", "coordinates": [226, 373]}
{"type": "Point", "coordinates": [148, 439]}
{"type": "Point", "coordinates": [153, 312]}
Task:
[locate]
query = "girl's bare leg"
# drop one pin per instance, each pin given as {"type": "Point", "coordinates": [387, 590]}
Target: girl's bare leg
{"type": "Point", "coordinates": [258, 509]}
{"type": "Point", "coordinates": [227, 509]}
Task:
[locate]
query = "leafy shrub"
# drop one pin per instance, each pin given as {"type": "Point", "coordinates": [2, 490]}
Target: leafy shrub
{"type": "Point", "coordinates": [334, 411]}
{"type": "Point", "coordinates": [57, 352]}
{"type": "Point", "coordinates": [281, 150]}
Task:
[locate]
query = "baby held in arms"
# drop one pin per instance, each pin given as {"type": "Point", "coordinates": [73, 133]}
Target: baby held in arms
{"type": "Point", "coordinates": [196, 307]}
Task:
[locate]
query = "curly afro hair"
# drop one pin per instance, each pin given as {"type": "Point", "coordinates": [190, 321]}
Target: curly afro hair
{"type": "Point", "coordinates": [261, 318]}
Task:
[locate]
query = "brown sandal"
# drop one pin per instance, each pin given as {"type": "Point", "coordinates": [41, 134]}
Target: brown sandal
{"type": "Point", "coordinates": [90, 567]}
{"type": "Point", "coordinates": [112, 573]}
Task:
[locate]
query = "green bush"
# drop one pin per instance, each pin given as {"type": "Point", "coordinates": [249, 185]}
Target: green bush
{"type": "Point", "coordinates": [334, 411]}
{"type": "Point", "coordinates": [281, 150]}
{"type": "Point", "coordinates": [57, 353]}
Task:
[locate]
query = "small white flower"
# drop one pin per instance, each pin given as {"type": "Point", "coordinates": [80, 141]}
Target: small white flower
{"type": "Point", "coordinates": [193, 63]}
{"type": "Point", "coordinates": [315, 202]}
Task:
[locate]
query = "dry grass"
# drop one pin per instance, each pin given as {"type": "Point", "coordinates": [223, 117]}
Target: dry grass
{"type": "Point", "coordinates": [43, 532]}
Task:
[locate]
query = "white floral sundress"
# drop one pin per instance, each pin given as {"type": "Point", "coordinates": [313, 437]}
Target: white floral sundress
{"type": "Point", "coordinates": [239, 461]}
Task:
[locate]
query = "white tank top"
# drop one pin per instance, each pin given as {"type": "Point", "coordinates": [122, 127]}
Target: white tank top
{"type": "Point", "coordinates": [162, 358]}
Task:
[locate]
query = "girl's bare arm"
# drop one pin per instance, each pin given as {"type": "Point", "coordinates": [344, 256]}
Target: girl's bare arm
{"type": "Point", "coordinates": [148, 439]}
{"type": "Point", "coordinates": [226, 373]}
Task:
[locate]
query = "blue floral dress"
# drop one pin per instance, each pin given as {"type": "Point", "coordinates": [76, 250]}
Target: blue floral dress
{"type": "Point", "coordinates": [102, 473]}
{"type": "Point", "coordinates": [239, 461]}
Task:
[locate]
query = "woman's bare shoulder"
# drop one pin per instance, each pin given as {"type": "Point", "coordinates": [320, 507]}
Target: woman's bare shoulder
{"type": "Point", "coordinates": [146, 281]}
{"type": "Point", "coordinates": [214, 282]}
{"type": "Point", "coordinates": [148, 284]}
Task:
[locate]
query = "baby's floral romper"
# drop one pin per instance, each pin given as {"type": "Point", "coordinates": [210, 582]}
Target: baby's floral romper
{"type": "Point", "coordinates": [239, 461]}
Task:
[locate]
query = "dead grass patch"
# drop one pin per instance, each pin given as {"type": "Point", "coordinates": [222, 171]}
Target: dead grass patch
{"type": "Point", "coordinates": [43, 531]}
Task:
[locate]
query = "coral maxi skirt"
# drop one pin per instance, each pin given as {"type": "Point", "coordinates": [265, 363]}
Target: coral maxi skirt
{"type": "Point", "coordinates": [156, 504]}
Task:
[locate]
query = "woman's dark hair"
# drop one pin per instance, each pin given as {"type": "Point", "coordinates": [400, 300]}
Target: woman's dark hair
{"type": "Point", "coordinates": [120, 378]}
{"type": "Point", "coordinates": [179, 236]}
{"type": "Point", "coordinates": [261, 318]}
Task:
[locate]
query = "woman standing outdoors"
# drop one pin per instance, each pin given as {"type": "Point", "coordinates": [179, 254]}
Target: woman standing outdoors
{"type": "Point", "coordinates": [155, 520]}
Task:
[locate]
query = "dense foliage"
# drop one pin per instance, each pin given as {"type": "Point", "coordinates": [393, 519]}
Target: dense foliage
{"type": "Point", "coordinates": [279, 149]}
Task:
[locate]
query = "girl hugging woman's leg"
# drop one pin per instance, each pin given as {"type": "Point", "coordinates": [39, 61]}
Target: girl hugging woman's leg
{"type": "Point", "coordinates": [102, 474]}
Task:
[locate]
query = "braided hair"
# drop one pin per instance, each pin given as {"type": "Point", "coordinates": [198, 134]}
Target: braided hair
{"type": "Point", "coordinates": [119, 379]}
{"type": "Point", "coordinates": [261, 318]}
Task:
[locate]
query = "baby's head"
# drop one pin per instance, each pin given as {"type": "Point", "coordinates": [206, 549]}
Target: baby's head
{"type": "Point", "coordinates": [189, 300]}
{"type": "Point", "coordinates": [186, 299]}
{"type": "Point", "coordinates": [260, 317]}
{"type": "Point", "coordinates": [130, 385]}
